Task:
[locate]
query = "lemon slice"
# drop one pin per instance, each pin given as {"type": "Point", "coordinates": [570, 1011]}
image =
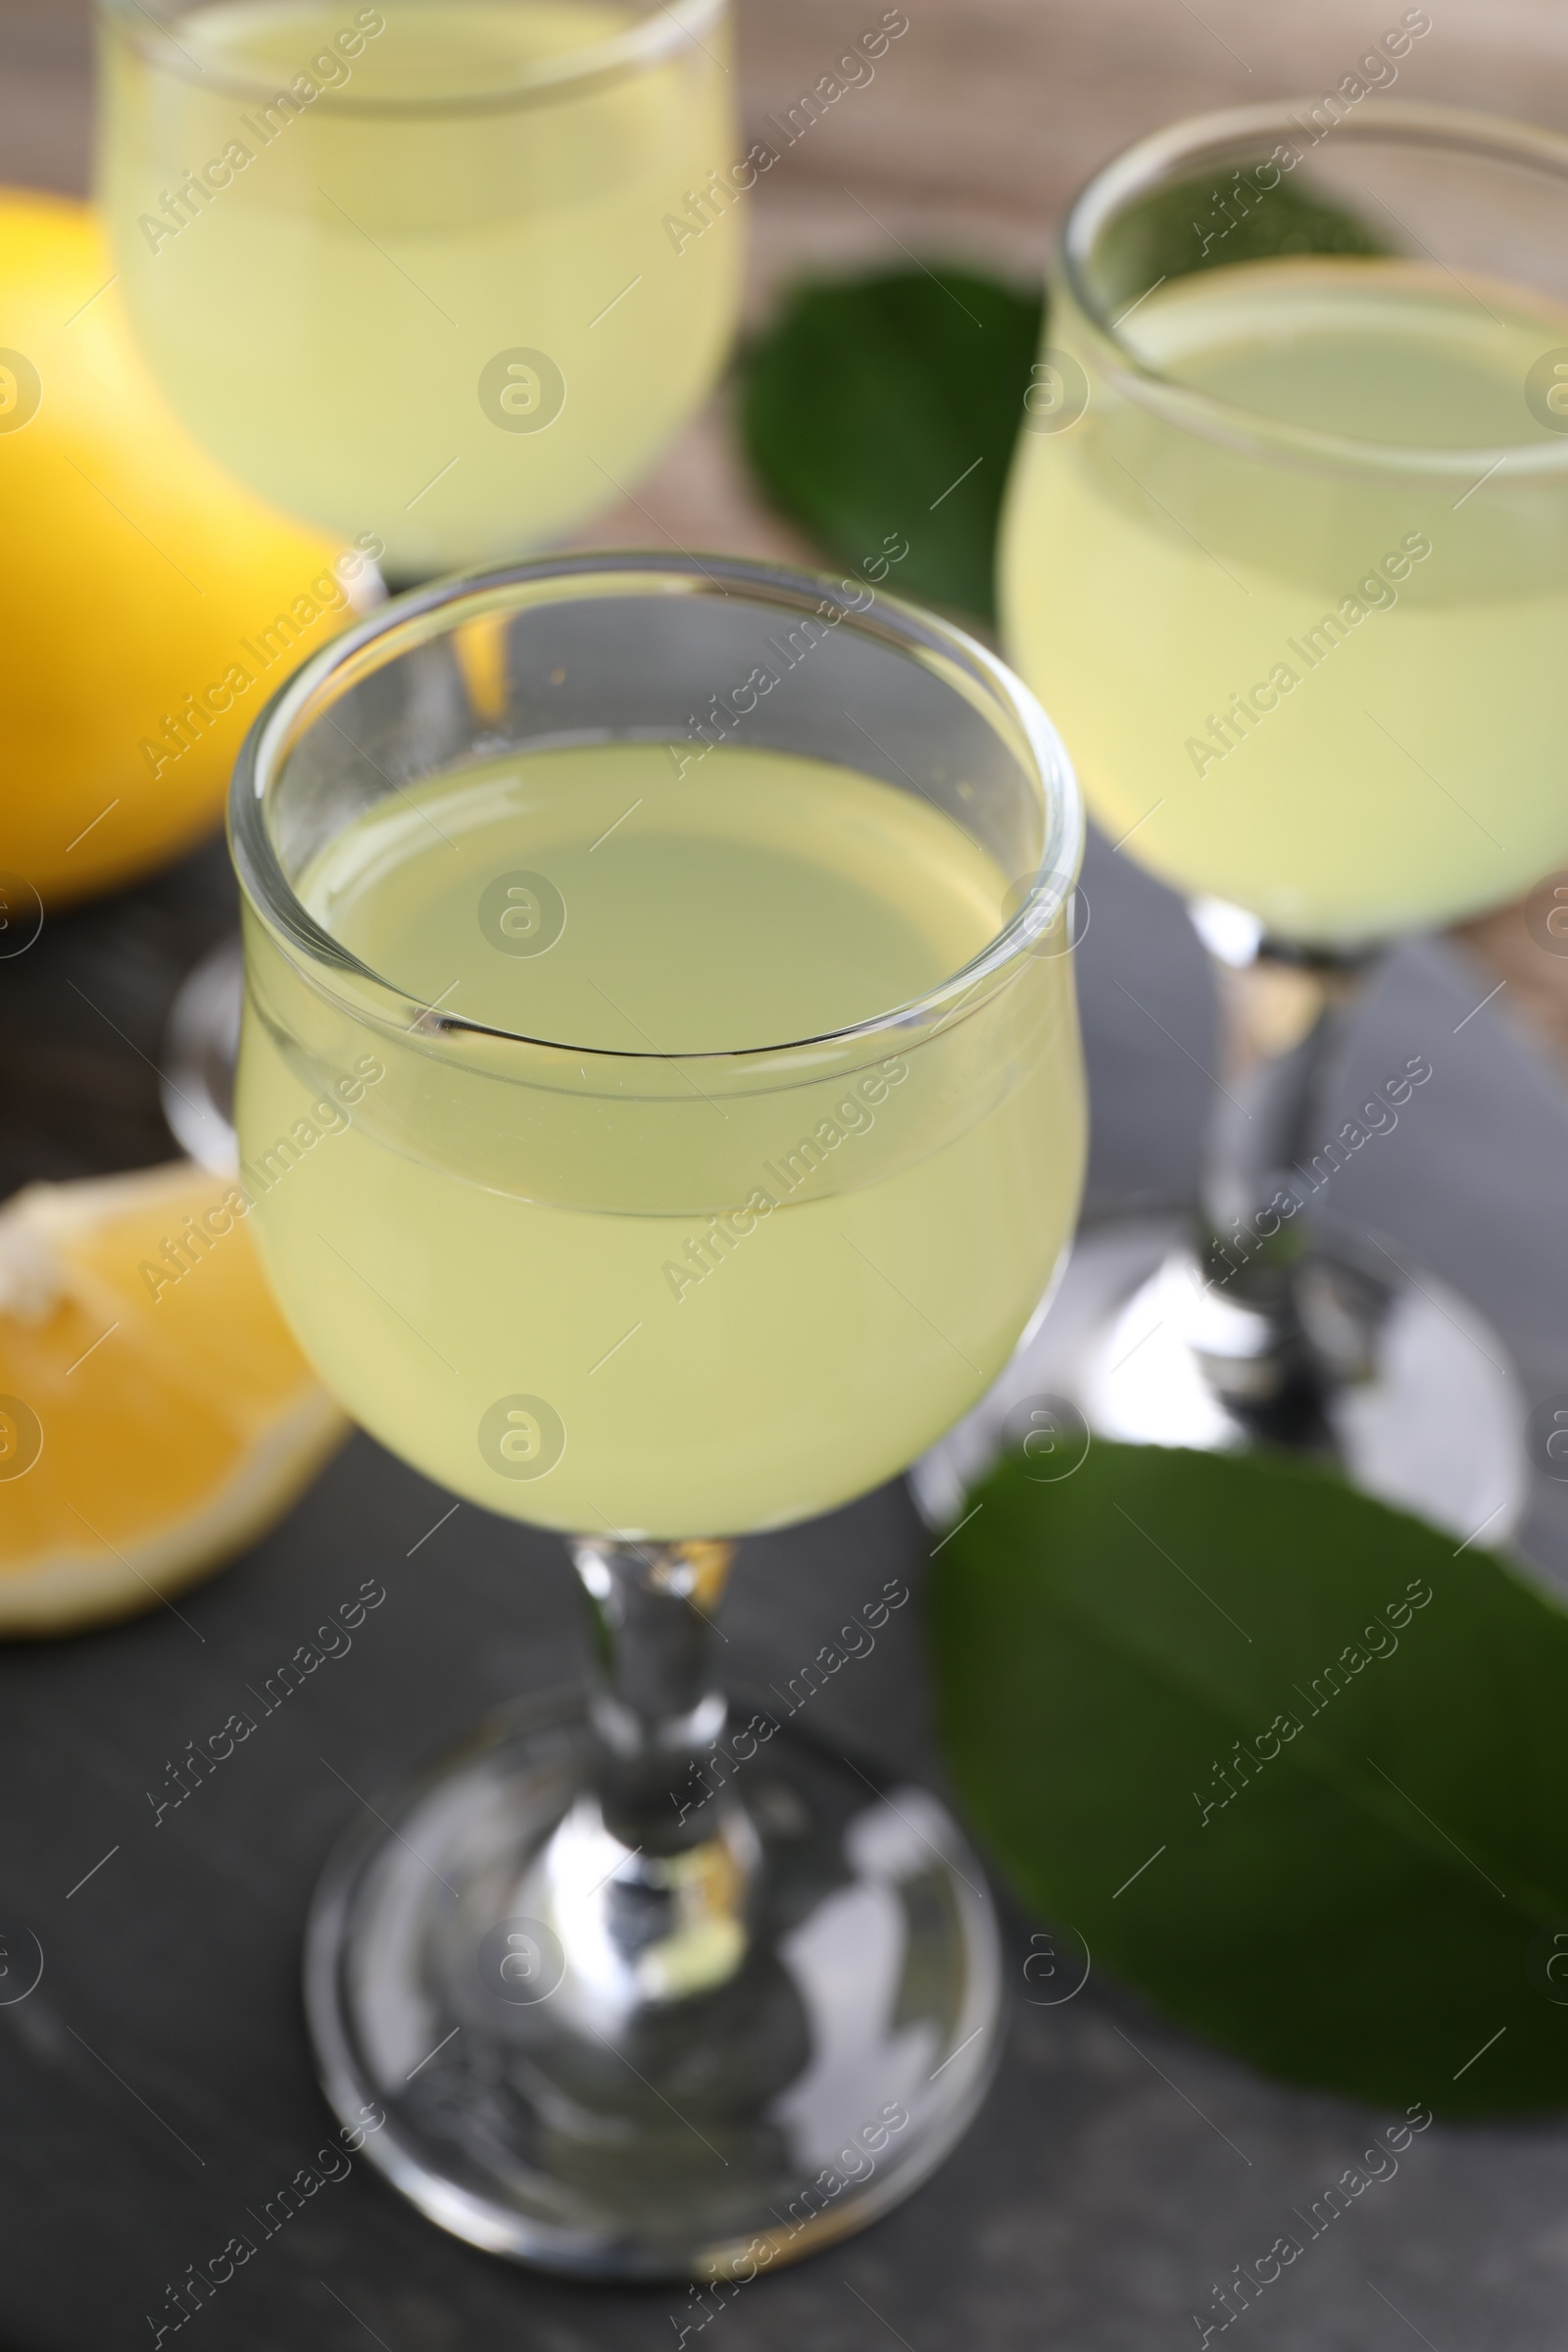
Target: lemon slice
{"type": "Point", "coordinates": [155, 1413]}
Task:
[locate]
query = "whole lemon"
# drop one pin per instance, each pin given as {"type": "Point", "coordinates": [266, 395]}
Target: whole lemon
{"type": "Point", "coordinates": [148, 605]}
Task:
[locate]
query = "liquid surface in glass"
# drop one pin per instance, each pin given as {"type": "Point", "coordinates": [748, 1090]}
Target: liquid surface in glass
{"type": "Point", "coordinates": [459, 329]}
{"type": "Point", "coordinates": [758, 900]}
{"type": "Point", "coordinates": [1333, 695]}
{"type": "Point", "coordinates": [736, 1306]}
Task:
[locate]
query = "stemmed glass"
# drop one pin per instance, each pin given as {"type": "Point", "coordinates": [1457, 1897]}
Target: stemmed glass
{"type": "Point", "coordinates": [1287, 550]}
{"type": "Point", "coordinates": [406, 270]}
{"type": "Point", "coordinates": [442, 277]}
{"type": "Point", "coordinates": [648, 1983]}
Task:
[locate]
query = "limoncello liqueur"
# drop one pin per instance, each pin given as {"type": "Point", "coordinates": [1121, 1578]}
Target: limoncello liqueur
{"type": "Point", "coordinates": [726, 1294]}
{"type": "Point", "coordinates": [425, 288]}
{"type": "Point", "coordinates": [1333, 693]}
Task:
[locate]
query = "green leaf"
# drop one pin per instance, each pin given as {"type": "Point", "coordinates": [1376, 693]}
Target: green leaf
{"type": "Point", "coordinates": [1209, 223]}
{"type": "Point", "coordinates": [1372, 1905]}
{"type": "Point", "coordinates": [885, 407]}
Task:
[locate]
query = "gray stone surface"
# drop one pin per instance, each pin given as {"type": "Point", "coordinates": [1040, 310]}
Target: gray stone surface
{"type": "Point", "coordinates": [157, 2084]}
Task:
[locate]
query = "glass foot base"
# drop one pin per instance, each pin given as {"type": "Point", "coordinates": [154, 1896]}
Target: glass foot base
{"type": "Point", "coordinates": [1407, 1387]}
{"type": "Point", "coordinates": [200, 1046]}
{"type": "Point", "coordinates": [623, 2065]}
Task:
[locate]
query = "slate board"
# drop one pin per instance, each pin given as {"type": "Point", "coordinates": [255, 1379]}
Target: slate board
{"type": "Point", "coordinates": [157, 2088]}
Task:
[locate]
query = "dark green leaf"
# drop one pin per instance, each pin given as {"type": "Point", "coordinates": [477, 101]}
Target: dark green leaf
{"type": "Point", "coordinates": [1376, 1902]}
{"type": "Point", "coordinates": [885, 407]}
{"type": "Point", "coordinates": [1211, 223]}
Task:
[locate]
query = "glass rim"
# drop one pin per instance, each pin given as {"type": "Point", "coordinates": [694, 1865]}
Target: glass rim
{"type": "Point", "coordinates": [473, 594]}
{"type": "Point", "coordinates": [1139, 168]}
{"type": "Point", "coordinates": [657, 35]}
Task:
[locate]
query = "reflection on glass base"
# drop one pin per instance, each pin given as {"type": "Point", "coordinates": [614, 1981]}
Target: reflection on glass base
{"type": "Point", "coordinates": [200, 1046]}
{"type": "Point", "coordinates": [621, 2065]}
{"type": "Point", "coordinates": [1387, 1370]}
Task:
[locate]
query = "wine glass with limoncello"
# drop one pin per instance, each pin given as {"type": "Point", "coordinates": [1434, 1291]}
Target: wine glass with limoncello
{"type": "Point", "coordinates": [700, 1124]}
{"type": "Point", "coordinates": [405, 269]}
{"type": "Point", "coordinates": [1287, 547]}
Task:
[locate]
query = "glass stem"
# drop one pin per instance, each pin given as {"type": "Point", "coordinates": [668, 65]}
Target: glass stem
{"type": "Point", "coordinates": [1286, 1014]}
{"type": "Point", "coordinates": [654, 1702]}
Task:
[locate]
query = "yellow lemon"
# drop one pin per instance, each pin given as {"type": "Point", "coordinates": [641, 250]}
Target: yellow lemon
{"type": "Point", "coordinates": [155, 1414]}
{"type": "Point", "coordinates": [148, 605]}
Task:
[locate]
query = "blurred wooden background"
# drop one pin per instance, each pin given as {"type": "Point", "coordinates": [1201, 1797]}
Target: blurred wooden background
{"type": "Point", "coordinates": [982, 120]}
{"type": "Point", "coordinates": [980, 124]}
